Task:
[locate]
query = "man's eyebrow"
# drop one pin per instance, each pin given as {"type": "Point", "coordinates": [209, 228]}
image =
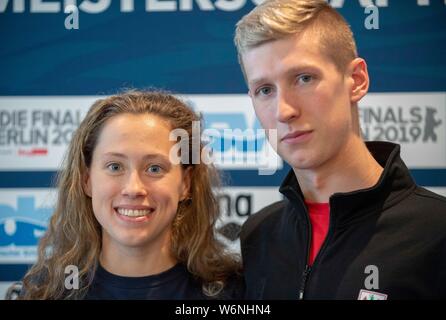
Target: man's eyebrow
{"type": "Point", "coordinates": [292, 70]}
{"type": "Point", "coordinates": [300, 69]}
{"type": "Point", "coordinates": [255, 82]}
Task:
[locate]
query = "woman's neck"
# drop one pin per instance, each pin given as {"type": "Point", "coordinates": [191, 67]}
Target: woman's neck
{"type": "Point", "coordinates": [135, 261]}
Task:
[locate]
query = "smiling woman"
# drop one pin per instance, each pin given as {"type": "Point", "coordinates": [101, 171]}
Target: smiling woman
{"type": "Point", "coordinates": [131, 222]}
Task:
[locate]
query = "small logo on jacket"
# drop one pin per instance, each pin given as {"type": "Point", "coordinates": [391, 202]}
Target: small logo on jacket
{"type": "Point", "coordinates": [371, 295]}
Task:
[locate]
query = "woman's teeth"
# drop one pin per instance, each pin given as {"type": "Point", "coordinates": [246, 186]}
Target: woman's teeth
{"type": "Point", "coordinates": [133, 213]}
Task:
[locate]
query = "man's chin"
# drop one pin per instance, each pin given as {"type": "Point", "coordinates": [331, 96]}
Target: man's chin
{"type": "Point", "coordinates": [304, 163]}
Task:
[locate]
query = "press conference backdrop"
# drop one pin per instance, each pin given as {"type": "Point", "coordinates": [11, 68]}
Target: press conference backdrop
{"type": "Point", "coordinates": [50, 75]}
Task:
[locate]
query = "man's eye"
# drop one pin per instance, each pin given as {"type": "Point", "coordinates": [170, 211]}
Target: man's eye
{"type": "Point", "coordinates": [305, 78]}
{"type": "Point", "coordinates": [114, 167]}
{"type": "Point", "coordinates": [264, 91]}
{"type": "Point", "coordinates": [154, 169]}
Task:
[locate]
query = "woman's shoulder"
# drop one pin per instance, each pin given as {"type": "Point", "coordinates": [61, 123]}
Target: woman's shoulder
{"type": "Point", "coordinates": [234, 288]}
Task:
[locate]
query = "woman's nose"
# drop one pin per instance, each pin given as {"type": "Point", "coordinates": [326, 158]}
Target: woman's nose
{"type": "Point", "coordinates": [134, 186]}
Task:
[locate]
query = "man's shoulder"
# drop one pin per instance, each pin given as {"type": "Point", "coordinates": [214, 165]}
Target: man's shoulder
{"type": "Point", "coordinates": [430, 196]}
{"type": "Point", "coordinates": [424, 211]}
{"type": "Point", "coordinates": [431, 202]}
{"type": "Point", "coordinates": [268, 213]}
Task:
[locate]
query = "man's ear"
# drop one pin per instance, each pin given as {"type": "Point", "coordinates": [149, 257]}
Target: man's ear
{"type": "Point", "coordinates": [86, 183]}
{"type": "Point", "coordinates": [360, 79]}
{"type": "Point", "coordinates": [187, 178]}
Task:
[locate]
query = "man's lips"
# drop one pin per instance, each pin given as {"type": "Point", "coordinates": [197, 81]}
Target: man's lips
{"type": "Point", "coordinates": [296, 136]}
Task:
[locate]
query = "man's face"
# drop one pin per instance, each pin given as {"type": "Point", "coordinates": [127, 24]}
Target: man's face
{"type": "Point", "coordinates": [299, 91]}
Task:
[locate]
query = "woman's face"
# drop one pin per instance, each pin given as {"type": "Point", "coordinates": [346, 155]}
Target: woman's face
{"type": "Point", "coordinates": [135, 189]}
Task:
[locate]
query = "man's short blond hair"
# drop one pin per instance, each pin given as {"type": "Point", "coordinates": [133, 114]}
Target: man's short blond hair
{"type": "Point", "coordinates": [277, 19]}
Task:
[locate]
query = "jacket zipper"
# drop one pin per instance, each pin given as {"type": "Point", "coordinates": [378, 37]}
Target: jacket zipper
{"type": "Point", "coordinates": [304, 280]}
{"type": "Point", "coordinates": [307, 268]}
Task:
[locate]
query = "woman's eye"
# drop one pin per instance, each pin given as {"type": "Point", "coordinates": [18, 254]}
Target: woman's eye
{"type": "Point", "coordinates": [114, 167]}
{"type": "Point", "coordinates": [154, 169]}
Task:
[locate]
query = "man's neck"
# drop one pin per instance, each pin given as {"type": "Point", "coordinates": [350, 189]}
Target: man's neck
{"type": "Point", "coordinates": [353, 169]}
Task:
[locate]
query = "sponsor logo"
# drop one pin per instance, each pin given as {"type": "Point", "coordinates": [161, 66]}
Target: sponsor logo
{"type": "Point", "coordinates": [236, 205]}
{"type": "Point", "coordinates": [22, 224]}
{"type": "Point", "coordinates": [236, 137]}
{"type": "Point", "coordinates": [416, 121]}
{"type": "Point", "coordinates": [35, 131]}
{"type": "Point", "coordinates": [371, 295]}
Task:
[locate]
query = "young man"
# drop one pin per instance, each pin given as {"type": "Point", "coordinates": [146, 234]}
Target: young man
{"type": "Point", "coordinates": [353, 225]}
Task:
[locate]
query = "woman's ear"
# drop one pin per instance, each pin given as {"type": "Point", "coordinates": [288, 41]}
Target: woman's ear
{"type": "Point", "coordinates": [360, 79]}
{"type": "Point", "coordinates": [86, 183]}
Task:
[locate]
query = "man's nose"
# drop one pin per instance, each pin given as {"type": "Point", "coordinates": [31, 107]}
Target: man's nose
{"type": "Point", "coordinates": [287, 107]}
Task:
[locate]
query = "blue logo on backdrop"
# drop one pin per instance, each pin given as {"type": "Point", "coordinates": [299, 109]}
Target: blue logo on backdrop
{"type": "Point", "coordinates": [234, 132]}
{"type": "Point", "coordinates": [21, 228]}
{"type": "Point", "coordinates": [238, 143]}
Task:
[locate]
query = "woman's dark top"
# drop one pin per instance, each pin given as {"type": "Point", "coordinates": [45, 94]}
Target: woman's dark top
{"type": "Point", "coordinates": [175, 283]}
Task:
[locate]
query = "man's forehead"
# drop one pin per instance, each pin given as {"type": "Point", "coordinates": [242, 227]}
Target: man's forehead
{"type": "Point", "coordinates": [282, 55]}
{"type": "Point", "coordinates": [306, 39]}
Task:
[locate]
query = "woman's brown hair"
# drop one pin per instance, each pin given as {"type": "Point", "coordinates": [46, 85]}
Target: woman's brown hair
{"type": "Point", "coordinates": [74, 236]}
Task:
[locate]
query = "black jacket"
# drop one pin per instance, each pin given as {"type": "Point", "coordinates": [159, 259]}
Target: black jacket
{"type": "Point", "coordinates": [395, 226]}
